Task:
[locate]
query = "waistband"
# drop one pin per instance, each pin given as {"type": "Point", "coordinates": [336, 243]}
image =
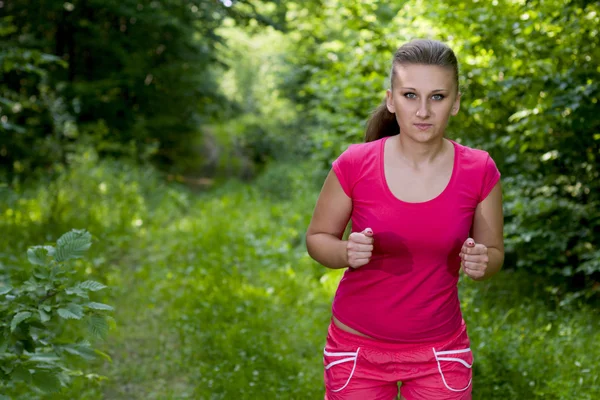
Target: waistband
{"type": "Point", "coordinates": [362, 341]}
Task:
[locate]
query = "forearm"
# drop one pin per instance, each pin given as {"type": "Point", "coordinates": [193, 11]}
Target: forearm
{"type": "Point", "coordinates": [327, 250]}
{"type": "Point", "coordinates": [496, 259]}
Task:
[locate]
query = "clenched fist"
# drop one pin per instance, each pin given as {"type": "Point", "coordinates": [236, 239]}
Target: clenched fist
{"type": "Point", "coordinates": [474, 258]}
{"type": "Point", "coordinates": [359, 248]}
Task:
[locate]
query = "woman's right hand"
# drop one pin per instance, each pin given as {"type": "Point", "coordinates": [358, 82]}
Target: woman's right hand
{"type": "Point", "coordinates": [359, 248]}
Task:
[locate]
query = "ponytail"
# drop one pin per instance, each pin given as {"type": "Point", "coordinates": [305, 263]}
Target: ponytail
{"type": "Point", "coordinates": [382, 123]}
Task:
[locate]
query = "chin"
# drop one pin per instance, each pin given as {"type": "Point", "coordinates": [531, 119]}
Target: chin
{"type": "Point", "coordinates": [425, 137]}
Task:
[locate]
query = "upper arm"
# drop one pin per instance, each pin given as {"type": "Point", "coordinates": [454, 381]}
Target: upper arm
{"type": "Point", "coordinates": [333, 209]}
{"type": "Point", "coordinates": [488, 222]}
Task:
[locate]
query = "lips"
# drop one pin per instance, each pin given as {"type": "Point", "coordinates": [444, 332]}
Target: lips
{"type": "Point", "coordinates": [423, 127]}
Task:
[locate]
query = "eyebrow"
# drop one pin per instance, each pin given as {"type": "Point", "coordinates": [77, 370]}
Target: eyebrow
{"type": "Point", "coordinates": [433, 91]}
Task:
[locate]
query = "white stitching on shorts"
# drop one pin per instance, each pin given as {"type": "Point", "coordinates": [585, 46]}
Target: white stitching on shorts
{"type": "Point", "coordinates": [341, 354]}
{"type": "Point", "coordinates": [466, 364]}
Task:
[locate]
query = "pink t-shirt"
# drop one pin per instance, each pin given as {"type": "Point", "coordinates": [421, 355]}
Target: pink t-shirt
{"type": "Point", "coordinates": [408, 291]}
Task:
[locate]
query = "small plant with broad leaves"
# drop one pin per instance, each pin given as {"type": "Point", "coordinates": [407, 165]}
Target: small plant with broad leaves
{"type": "Point", "coordinates": [43, 334]}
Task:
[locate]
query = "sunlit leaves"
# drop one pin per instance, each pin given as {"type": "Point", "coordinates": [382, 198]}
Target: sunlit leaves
{"type": "Point", "coordinates": [18, 318]}
{"type": "Point", "coordinates": [98, 306]}
{"type": "Point", "coordinates": [83, 350]}
{"type": "Point", "coordinates": [47, 358]}
{"type": "Point", "coordinates": [71, 311]}
{"type": "Point", "coordinates": [92, 286]}
{"type": "Point", "coordinates": [44, 316]}
{"type": "Point", "coordinates": [40, 255]}
{"type": "Point", "coordinates": [98, 326]}
{"type": "Point", "coordinates": [72, 245]}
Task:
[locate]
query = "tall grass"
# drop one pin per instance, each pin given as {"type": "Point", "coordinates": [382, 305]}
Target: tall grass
{"type": "Point", "coordinates": [215, 297]}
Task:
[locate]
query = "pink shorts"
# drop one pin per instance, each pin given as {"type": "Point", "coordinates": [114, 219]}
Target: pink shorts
{"type": "Point", "coordinates": [359, 368]}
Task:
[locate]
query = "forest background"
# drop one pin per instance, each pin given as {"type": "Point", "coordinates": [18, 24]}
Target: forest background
{"type": "Point", "coordinates": [159, 162]}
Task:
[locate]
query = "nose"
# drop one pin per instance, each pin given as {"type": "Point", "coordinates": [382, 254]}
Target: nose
{"type": "Point", "coordinates": [423, 110]}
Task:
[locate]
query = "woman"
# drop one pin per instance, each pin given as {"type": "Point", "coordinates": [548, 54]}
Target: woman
{"type": "Point", "coordinates": [423, 207]}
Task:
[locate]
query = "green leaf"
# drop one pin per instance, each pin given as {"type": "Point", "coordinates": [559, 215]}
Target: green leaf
{"type": "Point", "coordinates": [49, 58]}
{"type": "Point", "coordinates": [21, 373]}
{"type": "Point", "coordinates": [76, 290]}
{"type": "Point", "coordinates": [103, 354]}
{"type": "Point", "coordinates": [5, 289]}
{"type": "Point", "coordinates": [18, 318]}
{"type": "Point", "coordinates": [99, 306]}
{"type": "Point", "coordinates": [98, 326]}
{"type": "Point", "coordinates": [43, 357]}
{"type": "Point", "coordinates": [44, 316]}
{"type": "Point", "coordinates": [82, 351]}
{"type": "Point", "coordinates": [38, 255]}
{"type": "Point", "coordinates": [30, 285]}
{"type": "Point", "coordinates": [72, 311]}
{"type": "Point", "coordinates": [46, 381]}
{"type": "Point", "coordinates": [41, 273]}
{"type": "Point", "coordinates": [72, 244]}
{"type": "Point", "coordinates": [92, 285]}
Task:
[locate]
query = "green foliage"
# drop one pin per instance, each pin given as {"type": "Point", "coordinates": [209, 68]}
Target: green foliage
{"type": "Point", "coordinates": [132, 78]}
{"type": "Point", "coordinates": [43, 320]}
{"type": "Point", "coordinates": [341, 69]}
{"type": "Point", "coordinates": [529, 342]}
{"type": "Point", "coordinates": [141, 70]}
{"type": "Point", "coordinates": [261, 125]}
{"type": "Point", "coordinates": [28, 105]}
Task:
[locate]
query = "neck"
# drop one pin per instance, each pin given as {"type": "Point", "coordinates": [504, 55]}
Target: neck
{"type": "Point", "coordinates": [416, 153]}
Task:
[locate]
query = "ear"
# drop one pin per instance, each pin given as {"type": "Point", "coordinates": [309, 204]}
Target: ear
{"type": "Point", "coordinates": [456, 105]}
{"type": "Point", "coordinates": [389, 101]}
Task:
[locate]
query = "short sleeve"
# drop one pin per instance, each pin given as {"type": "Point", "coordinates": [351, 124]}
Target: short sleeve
{"type": "Point", "coordinates": [344, 168]}
{"type": "Point", "coordinates": [491, 176]}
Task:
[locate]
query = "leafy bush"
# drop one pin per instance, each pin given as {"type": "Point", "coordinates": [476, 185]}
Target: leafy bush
{"type": "Point", "coordinates": [43, 320]}
{"type": "Point", "coordinates": [29, 105]}
{"type": "Point", "coordinates": [529, 341]}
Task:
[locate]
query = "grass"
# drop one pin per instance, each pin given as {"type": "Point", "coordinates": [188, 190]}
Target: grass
{"type": "Point", "coordinates": [215, 297]}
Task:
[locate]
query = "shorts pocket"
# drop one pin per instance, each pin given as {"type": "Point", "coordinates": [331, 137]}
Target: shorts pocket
{"type": "Point", "coordinates": [455, 367]}
{"type": "Point", "coordinates": [339, 368]}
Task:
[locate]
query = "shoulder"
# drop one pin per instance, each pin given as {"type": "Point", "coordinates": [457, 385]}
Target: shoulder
{"type": "Point", "coordinates": [358, 154]}
{"type": "Point", "coordinates": [471, 154]}
{"type": "Point", "coordinates": [363, 149]}
{"type": "Point", "coordinates": [362, 152]}
{"type": "Point", "coordinates": [355, 162]}
{"type": "Point", "coordinates": [476, 165]}
{"type": "Point", "coordinates": [472, 158]}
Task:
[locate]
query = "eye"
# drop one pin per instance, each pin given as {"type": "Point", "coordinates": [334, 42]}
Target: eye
{"type": "Point", "coordinates": [438, 97]}
{"type": "Point", "coordinates": [410, 95]}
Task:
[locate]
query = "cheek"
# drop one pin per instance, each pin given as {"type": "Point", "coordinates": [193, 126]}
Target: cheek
{"type": "Point", "coordinates": [405, 106]}
{"type": "Point", "coordinates": [443, 109]}
{"type": "Point", "coordinates": [403, 113]}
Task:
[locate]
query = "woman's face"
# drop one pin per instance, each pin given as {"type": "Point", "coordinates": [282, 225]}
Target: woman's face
{"type": "Point", "coordinates": [423, 97]}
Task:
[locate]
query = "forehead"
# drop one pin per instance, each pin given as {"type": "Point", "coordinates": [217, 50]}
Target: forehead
{"type": "Point", "coordinates": [424, 77]}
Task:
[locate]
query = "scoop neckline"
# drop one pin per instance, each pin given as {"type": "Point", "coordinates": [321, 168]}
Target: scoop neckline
{"type": "Point", "coordinates": [410, 203]}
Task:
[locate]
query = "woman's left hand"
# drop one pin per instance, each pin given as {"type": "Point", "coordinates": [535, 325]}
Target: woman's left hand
{"type": "Point", "coordinates": [474, 259]}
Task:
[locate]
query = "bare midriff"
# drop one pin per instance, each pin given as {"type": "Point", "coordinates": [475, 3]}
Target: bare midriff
{"type": "Point", "coordinates": [346, 328]}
